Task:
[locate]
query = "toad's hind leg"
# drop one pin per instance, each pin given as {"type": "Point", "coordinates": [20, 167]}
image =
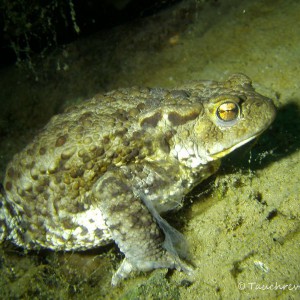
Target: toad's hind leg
{"type": "Point", "coordinates": [133, 228]}
{"type": "Point", "coordinates": [3, 227]}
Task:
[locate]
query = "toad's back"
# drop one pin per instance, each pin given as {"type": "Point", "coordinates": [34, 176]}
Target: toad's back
{"type": "Point", "coordinates": [104, 170]}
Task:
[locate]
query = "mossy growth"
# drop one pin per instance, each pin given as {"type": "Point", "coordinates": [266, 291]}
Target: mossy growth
{"type": "Point", "coordinates": [32, 26]}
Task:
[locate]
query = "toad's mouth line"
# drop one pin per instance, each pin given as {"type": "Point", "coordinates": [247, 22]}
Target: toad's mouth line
{"type": "Point", "coordinates": [229, 150]}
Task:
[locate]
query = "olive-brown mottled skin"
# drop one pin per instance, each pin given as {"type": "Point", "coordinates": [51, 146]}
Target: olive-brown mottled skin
{"type": "Point", "coordinates": [105, 169]}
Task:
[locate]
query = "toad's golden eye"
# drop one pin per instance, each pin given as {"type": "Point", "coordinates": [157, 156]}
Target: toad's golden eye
{"type": "Point", "coordinates": [228, 111]}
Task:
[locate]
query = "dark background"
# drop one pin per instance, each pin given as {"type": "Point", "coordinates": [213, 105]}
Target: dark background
{"type": "Point", "coordinates": [35, 27]}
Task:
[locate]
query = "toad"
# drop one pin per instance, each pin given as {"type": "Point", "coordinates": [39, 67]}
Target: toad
{"type": "Point", "coordinates": [107, 169]}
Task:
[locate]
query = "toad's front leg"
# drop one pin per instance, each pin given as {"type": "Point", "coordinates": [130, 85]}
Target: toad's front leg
{"type": "Point", "coordinates": [134, 228]}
